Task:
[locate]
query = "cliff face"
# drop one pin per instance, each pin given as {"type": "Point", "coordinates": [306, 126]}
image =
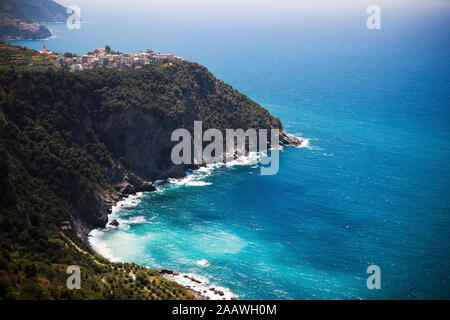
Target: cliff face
{"type": "Point", "coordinates": [98, 135]}
{"type": "Point", "coordinates": [142, 141]}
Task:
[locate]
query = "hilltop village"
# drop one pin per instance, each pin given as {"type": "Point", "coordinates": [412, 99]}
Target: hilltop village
{"type": "Point", "coordinates": [106, 58]}
{"type": "Point", "coordinates": [30, 26]}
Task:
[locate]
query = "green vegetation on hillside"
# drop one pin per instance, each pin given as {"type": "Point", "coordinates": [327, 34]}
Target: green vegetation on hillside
{"type": "Point", "coordinates": [20, 58]}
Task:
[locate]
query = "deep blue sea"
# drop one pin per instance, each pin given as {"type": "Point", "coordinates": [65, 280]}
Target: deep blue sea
{"type": "Point", "coordinates": [371, 187]}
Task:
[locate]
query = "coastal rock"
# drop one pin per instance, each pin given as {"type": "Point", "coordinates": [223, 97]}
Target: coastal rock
{"type": "Point", "coordinates": [289, 140]}
{"type": "Point", "coordinates": [195, 280]}
{"type": "Point", "coordinates": [146, 187]}
{"type": "Point", "coordinates": [114, 223]}
{"type": "Point", "coordinates": [89, 210]}
{"type": "Point", "coordinates": [164, 271]}
{"type": "Point", "coordinates": [203, 263]}
{"type": "Point", "coordinates": [131, 184]}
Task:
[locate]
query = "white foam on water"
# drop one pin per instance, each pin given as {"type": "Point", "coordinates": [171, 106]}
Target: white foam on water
{"type": "Point", "coordinates": [305, 141]}
{"type": "Point", "coordinates": [198, 183]}
{"type": "Point", "coordinates": [128, 202]}
{"type": "Point", "coordinates": [96, 236]}
{"type": "Point", "coordinates": [203, 263]}
{"type": "Point", "coordinates": [305, 144]}
{"type": "Point", "coordinates": [99, 245]}
{"type": "Point", "coordinates": [204, 288]}
{"type": "Point", "coordinates": [137, 220]}
{"type": "Point", "coordinates": [249, 160]}
{"type": "Point", "coordinates": [192, 180]}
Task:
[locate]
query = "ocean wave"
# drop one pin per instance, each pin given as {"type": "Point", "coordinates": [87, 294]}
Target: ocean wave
{"type": "Point", "coordinates": [97, 243]}
{"type": "Point", "coordinates": [193, 180]}
{"type": "Point", "coordinates": [128, 202]}
{"type": "Point", "coordinates": [121, 216]}
{"type": "Point", "coordinates": [305, 144]}
{"type": "Point", "coordinates": [203, 263]}
{"type": "Point", "coordinates": [248, 160]}
{"type": "Point", "coordinates": [137, 220]}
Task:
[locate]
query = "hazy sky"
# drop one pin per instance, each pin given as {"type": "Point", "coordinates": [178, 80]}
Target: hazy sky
{"type": "Point", "coordinates": [128, 5]}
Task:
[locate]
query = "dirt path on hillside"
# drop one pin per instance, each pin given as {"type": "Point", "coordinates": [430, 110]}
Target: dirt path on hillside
{"type": "Point", "coordinates": [81, 250]}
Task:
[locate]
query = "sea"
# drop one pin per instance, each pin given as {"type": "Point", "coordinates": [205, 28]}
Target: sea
{"type": "Point", "coordinates": [369, 186]}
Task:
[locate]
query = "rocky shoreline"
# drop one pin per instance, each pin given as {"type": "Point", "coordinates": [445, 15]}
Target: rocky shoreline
{"type": "Point", "coordinates": [200, 288]}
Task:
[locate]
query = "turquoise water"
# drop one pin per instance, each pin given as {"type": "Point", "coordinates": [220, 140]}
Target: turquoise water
{"type": "Point", "coordinates": [370, 188]}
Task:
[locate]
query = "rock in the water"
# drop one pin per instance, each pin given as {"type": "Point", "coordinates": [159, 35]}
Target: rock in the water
{"type": "Point", "coordinates": [145, 187]}
{"type": "Point", "coordinates": [114, 223]}
{"type": "Point", "coordinates": [289, 140]}
{"type": "Point", "coordinates": [195, 280]}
